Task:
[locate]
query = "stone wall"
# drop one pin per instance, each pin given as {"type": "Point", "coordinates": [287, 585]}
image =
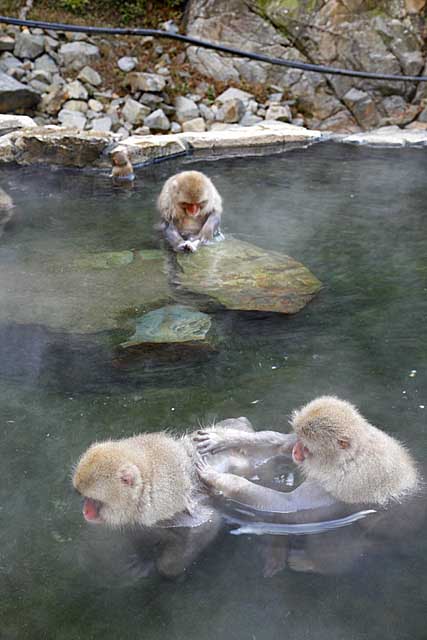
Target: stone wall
{"type": "Point", "coordinates": [386, 37]}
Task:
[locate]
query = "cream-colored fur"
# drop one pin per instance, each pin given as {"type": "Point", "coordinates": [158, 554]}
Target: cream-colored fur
{"type": "Point", "coordinates": [353, 460]}
{"type": "Point", "coordinates": [162, 473]}
{"type": "Point", "coordinates": [188, 187]}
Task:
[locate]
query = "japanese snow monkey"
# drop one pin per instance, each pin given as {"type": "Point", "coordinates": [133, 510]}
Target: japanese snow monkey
{"type": "Point", "coordinates": [348, 465]}
{"type": "Point", "coordinates": [190, 208]}
{"type": "Point", "coordinates": [122, 166]}
{"type": "Point", "coordinates": [149, 482]}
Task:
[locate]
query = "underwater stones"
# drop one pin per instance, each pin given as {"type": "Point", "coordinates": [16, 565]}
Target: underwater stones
{"type": "Point", "coordinates": [173, 324]}
{"type": "Point", "coordinates": [86, 293]}
{"type": "Point", "coordinates": [239, 275]}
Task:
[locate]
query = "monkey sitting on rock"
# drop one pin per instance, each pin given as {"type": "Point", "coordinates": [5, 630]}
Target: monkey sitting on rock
{"type": "Point", "coordinates": [348, 465]}
{"type": "Point", "coordinates": [149, 483]}
{"type": "Point", "coordinates": [190, 209]}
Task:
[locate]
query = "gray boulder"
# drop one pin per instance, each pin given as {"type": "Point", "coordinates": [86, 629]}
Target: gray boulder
{"type": "Point", "coordinates": [186, 109]}
{"type": "Point", "coordinates": [46, 63]}
{"type": "Point", "coordinates": [140, 81]}
{"type": "Point", "coordinates": [76, 55]}
{"type": "Point", "coordinates": [279, 112]}
{"type": "Point", "coordinates": [127, 63]}
{"type": "Point", "coordinates": [134, 112]}
{"type": "Point", "coordinates": [157, 121]}
{"type": "Point", "coordinates": [70, 118]}
{"type": "Point", "coordinates": [16, 96]}
{"type": "Point", "coordinates": [90, 76]}
{"type": "Point", "coordinates": [28, 45]}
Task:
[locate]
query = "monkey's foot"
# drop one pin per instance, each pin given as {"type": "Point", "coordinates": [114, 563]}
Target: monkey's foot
{"type": "Point", "coordinates": [275, 559]}
{"type": "Point", "coordinates": [208, 475]}
{"type": "Point", "coordinates": [299, 561]}
{"type": "Point", "coordinates": [210, 442]}
{"type": "Point", "coordinates": [138, 569]}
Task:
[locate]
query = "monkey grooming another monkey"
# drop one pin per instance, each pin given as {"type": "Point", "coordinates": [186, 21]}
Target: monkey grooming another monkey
{"type": "Point", "coordinates": [149, 482]}
{"type": "Point", "coordinates": [190, 209]}
{"type": "Point", "coordinates": [348, 465]}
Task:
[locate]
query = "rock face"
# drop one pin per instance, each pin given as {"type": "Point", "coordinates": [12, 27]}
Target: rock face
{"type": "Point", "coordinates": [57, 145]}
{"type": "Point", "coordinates": [15, 96]}
{"type": "Point", "coordinates": [239, 275]}
{"type": "Point", "coordinates": [174, 324]}
{"type": "Point", "coordinates": [383, 37]}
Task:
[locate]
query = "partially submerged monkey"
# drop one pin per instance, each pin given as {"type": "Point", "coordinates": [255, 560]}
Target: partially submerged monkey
{"type": "Point", "coordinates": [149, 482]}
{"type": "Point", "coordinates": [190, 208]}
{"type": "Point", "coordinates": [122, 166]}
{"type": "Point", "coordinates": [348, 465]}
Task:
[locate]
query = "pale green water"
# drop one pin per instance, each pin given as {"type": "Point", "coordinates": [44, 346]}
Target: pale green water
{"type": "Point", "coordinates": [357, 217]}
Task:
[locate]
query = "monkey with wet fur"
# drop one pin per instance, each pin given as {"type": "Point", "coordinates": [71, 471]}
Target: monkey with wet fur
{"type": "Point", "coordinates": [348, 465]}
{"type": "Point", "coordinates": [190, 208]}
{"type": "Point", "coordinates": [149, 483]}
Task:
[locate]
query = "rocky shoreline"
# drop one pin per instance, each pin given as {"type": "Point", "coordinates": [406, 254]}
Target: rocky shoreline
{"type": "Point", "coordinates": [75, 116]}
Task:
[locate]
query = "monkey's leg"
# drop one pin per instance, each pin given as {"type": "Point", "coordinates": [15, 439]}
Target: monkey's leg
{"type": "Point", "coordinates": [265, 442]}
{"type": "Point", "coordinates": [210, 227]}
{"type": "Point", "coordinates": [307, 496]}
{"type": "Point", "coordinates": [185, 547]}
{"type": "Point", "coordinates": [275, 555]}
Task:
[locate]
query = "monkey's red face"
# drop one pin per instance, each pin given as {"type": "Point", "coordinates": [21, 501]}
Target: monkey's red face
{"type": "Point", "coordinates": [91, 510]}
{"type": "Point", "coordinates": [191, 208]}
{"type": "Point", "coordinates": [300, 452]}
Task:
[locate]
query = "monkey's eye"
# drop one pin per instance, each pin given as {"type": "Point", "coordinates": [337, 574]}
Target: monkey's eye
{"type": "Point", "coordinates": [343, 444]}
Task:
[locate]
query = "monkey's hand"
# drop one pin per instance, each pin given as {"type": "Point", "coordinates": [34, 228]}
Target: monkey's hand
{"type": "Point", "coordinates": [208, 475]}
{"type": "Point", "coordinates": [211, 441]}
{"type": "Point", "coordinates": [187, 246]}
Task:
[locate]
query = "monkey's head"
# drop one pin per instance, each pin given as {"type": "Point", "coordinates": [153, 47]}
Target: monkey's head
{"type": "Point", "coordinates": [328, 429]}
{"type": "Point", "coordinates": [119, 158]}
{"type": "Point", "coordinates": [110, 484]}
{"type": "Point", "coordinates": [135, 481]}
{"type": "Point", "coordinates": [191, 190]}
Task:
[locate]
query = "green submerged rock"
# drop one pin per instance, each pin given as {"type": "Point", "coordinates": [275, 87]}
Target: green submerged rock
{"type": "Point", "coordinates": [85, 293]}
{"type": "Point", "coordinates": [173, 324]}
{"type": "Point", "coordinates": [239, 275]}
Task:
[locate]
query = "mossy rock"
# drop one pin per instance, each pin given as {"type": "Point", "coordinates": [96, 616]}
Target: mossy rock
{"type": "Point", "coordinates": [239, 275]}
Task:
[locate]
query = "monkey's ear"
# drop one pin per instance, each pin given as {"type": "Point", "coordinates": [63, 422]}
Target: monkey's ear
{"type": "Point", "coordinates": [129, 475]}
{"type": "Point", "coordinates": [343, 443]}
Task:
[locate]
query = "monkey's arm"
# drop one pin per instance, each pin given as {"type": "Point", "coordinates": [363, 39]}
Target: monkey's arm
{"type": "Point", "coordinates": [308, 495]}
{"type": "Point", "coordinates": [210, 227]}
{"type": "Point", "coordinates": [175, 239]}
{"type": "Point", "coordinates": [264, 442]}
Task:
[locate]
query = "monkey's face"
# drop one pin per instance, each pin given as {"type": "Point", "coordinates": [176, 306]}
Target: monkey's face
{"type": "Point", "coordinates": [323, 436]}
{"type": "Point", "coordinates": [111, 488]}
{"type": "Point", "coordinates": [192, 195]}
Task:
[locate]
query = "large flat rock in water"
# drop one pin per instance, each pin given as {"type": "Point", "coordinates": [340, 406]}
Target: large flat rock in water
{"type": "Point", "coordinates": [173, 324]}
{"type": "Point", "coordinates": [85, 293]}
{"type": "Point", "coordinates": [239, 275]}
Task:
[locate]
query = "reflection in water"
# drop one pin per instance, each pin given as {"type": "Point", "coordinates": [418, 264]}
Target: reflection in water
{"type": "Point", "coordinates": [356, 218]}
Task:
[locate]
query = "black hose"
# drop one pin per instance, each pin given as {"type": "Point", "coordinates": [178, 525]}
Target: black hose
{"type": "Point", "coordinates": [293, 64]}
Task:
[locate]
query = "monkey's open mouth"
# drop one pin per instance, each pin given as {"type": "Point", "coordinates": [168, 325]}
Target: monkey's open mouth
{"type": "Point", "coordinates": [91, 510]}
{"type": "Point", "coordinates": [192, 209]}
